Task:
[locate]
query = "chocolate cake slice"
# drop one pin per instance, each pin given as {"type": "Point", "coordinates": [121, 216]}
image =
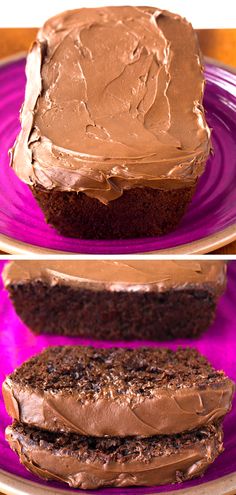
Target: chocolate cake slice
{"type": "Point", "coordinates": [117, 392]}
{"type": "Point", "coordinates": [86, 462]}
{"type": "Point", "coordinates": [114, 136]}
{"type": "Point", "coordinates": [118, 300]}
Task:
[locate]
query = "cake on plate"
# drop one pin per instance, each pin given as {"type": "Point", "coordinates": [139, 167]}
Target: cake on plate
{"type": "Point", "coordinates": [114, 136]}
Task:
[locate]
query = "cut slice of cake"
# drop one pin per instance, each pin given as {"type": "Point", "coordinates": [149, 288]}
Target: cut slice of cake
{"type": "Point", "coordinates": [117, 392]}
{"type": "Point", "coordinates": [88, 463]}
{"type": "Point", "coordinates": [118, 300]}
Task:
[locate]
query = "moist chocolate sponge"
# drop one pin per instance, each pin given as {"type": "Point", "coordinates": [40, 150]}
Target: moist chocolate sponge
{"type": "Point", "coordinates": [115, 315]}
{"type": "Point", "coordinates": [139, 212]}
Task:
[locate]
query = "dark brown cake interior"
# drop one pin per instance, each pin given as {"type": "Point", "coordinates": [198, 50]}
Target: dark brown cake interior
{"type": "Point", "coordinates": [66, 310]}
{"type": "Point", "coordinates": [139, 212]}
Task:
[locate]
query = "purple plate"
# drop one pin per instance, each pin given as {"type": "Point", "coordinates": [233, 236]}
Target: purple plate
{"type": "Point", "coordinates": [213, 208]}
{"type": "Point", "coordinates": [17, 343]}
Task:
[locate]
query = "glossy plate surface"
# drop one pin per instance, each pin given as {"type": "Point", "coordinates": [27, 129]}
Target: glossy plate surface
{"type": "Point", "coordinates": [209, 222]}
{"type": "Point", "coordinates": [17, 343]}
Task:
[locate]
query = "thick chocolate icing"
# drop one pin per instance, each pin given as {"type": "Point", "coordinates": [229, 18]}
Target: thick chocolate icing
{"type": "Point", "coordinates": [120, 275]}
{"type": "Point", "coordinates": [117, 392]}
{"type": "Point", "coordinates": [190, 461]}
{"type": "Point", "coordinates": [113, 101]}
{"type": "Point", "coordinates": [188, 408]}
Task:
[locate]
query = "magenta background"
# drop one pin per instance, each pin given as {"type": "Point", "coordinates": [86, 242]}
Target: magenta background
{"type": "Point", "coordinates": [213, 207]}
{"type": "Point", "coordinates": [17, 343]}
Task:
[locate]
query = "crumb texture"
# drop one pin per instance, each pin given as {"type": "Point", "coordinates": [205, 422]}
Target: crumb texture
{"type": "Point", "coordinates": [152, 212]}
{"type": "Point", "coordinates": [118, 371]}
{"type": "Point", "coordinates": [107, 315]}
{"type": "Point", "coordinates": [112, 449]}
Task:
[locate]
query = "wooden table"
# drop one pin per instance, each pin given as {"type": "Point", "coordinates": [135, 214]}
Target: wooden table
{"type": "Point", "coordinates": [215, 43]}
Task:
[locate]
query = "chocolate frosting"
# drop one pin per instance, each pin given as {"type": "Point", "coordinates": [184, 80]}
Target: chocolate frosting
{"type": "Point", "coordinates": [146, 275]}
{"type": "Point", "coordinates": [190, 461]}
{"type": "Point", "coordinates": [117, 392]}
{"type": "Point", "coordinates": [113, 101]}
{"type": "Point", "coordinates": [188, 408]}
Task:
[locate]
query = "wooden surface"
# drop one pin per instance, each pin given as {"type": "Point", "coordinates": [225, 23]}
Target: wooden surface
{"type": "Point", "coordinates": [216, 43]}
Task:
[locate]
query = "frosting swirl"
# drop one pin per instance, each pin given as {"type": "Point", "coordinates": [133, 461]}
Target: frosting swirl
{"type": "Point", "coordinates": [113, 101]}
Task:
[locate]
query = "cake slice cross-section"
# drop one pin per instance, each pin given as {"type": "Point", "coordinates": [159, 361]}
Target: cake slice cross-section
{"type": "Point", "coordinates": [88, 463]}
{"type": "Point", "coordinates": [117, 392]}
{"type": "Point", "coordinates": [116, 300]}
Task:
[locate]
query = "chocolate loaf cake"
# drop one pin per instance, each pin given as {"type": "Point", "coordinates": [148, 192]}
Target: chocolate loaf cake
{"type": "Point", "coordinates": [114, 136]}
{"type": "Point", "coordinates": [86, 462]}
{"type": "Point", "coordinates": [119, 300]}
{"type": "Point", "coordinates": [117, 392]}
